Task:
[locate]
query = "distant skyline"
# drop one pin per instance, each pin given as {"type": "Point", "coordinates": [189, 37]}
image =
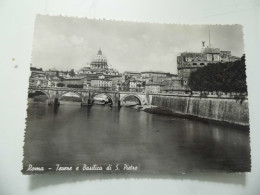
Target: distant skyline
{"type": "Point", "coordinates": [68, 43]}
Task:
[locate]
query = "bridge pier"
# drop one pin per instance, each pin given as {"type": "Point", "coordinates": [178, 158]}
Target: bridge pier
{"type": "Point", "coordinates": [54, 101]}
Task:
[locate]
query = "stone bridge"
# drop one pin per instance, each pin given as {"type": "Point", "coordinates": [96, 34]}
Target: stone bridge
{"type": "Point", "coordinates": [54, 94]}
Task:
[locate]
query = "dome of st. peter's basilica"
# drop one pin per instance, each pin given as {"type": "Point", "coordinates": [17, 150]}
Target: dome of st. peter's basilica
{"type": "Point", "coordinates": [99, 61]}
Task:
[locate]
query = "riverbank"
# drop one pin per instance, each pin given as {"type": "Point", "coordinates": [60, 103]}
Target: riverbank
{"type": "Point", "coordinates": [169, 112]}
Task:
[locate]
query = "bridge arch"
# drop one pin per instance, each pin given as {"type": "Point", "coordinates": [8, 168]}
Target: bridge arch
{"type": "Point", "coordinates": [129, 95]}
{"type": "Point", "coordinates": [43, 91]}
{"type": "Point", "coordinates": [109, 96]}
{"type": "Point", "coordinates": [74, 92]}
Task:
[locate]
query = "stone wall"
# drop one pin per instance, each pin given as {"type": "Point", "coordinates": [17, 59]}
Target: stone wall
{"type": "Point", "coordinates": [218, 109]}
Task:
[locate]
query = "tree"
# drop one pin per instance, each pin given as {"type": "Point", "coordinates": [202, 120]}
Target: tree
{"type": "Point", "coordinates": [60, 84]}
{"type": "Point", "coordinates": [72, 73]}
{"type": "Point", "coordinates": [225, 77]}
{"type": "Point", "coordinates": [74, 86]}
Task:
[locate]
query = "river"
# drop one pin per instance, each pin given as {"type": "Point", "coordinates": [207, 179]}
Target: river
{"type": "Point", "coordinates": [159, 144]}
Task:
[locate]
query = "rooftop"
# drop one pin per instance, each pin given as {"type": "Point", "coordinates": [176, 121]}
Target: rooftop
{"type": "Point", "coordinates": [132, 72]}
{"type": "Point", "coordinates": [153, 84]}
{"type": "Point", "coordinates": [211, 50]}
{"type": "Point", "coordinates": [95, 79]}
{"type": "Point", "coordinates": [158, 72]}
{"type": "Point", "coordinates": [192, 54]}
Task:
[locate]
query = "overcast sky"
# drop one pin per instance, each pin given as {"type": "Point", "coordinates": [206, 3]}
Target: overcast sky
{"type": "Point", "coordinates": [70, 43]}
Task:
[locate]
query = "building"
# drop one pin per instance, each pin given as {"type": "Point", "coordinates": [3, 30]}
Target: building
{"type": "Point", "coordinates": [152, 88]}
{"type": "Point", "coordinates": [96, 68]}
{"type": "Point", "coordinates": [38, 77]}
{"type": "Point", "coordinates": [150, 74]}
{"type": "Point", "coordinates": [133, 85]}
{"type": "Point", "coordinates": [188, 62]}
{"type": "Point", "coordinates": [156, 79]}
{"type": "Point", "coordinates": [99, 62]}
{"type": "Point", "coordinates": [101, 84]}
{"type": "Point", "coordinates": [155, 76]}
{"type": "Point", "coordinates": [54, 80]}
{"type": "Point", "coordinates": [63, 73]}
{"type": "Point", "coordinates": [116, 82]}
{"type": "Point", "coordinates": [74, 82]}
{"type": "Point", "coordinates": [51, 72]}
{"type": "Point", "coordinates": [86, 71]}
{"type": "Point", "coordinates": [132, 74]}
{"type": "Point", "coordinates": [35, 71]}
{"type": "Point", "coordinates": [174, 85]}
{"type": "Point", "coordinates": [38, 80]}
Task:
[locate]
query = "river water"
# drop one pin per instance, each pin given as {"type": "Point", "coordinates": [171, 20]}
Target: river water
{"type": "Point", "coordinates": [159, 144]}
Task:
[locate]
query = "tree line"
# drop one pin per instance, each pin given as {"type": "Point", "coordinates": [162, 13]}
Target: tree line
{"type": "Point", "coordinates": [220, 77]}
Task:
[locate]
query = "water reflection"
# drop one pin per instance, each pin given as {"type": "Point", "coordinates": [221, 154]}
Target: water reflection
{"type": "Point", "coordinates": [161, 144]}
{"type": "Point", "coordinates": [56, 108]}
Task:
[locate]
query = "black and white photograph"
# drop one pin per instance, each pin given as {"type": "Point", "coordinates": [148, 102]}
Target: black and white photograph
{"type": "Point", "coordinates": [122, 97]}
{"type": "Point", "coordinates": [129, 97]}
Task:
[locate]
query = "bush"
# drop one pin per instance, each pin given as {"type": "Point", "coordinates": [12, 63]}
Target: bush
{"type": "Point", "coordinates": [60, 84]}
{"type": "Point", "coordinates": [75, 86]}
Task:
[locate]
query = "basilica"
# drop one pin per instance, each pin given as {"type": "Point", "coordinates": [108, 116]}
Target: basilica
{"type": "Point", "coordinates": [98, 74]}
{"type": "Point", "coordinates": [98, 66]}
{"type": "Point", "coordinates": [99, 62]}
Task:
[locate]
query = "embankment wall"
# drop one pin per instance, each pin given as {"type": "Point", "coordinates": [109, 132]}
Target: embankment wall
{"type": "Point", "coordinates": [219, 109]}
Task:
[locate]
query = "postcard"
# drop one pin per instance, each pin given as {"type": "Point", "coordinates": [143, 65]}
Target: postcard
{"type": "Point", "coordinates": [136, 98]}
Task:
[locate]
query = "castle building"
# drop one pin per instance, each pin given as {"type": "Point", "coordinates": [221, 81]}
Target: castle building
{"type": "Point", "coordinates": [175, 85]}
{"type": "Point", "coordinates": [188, 62]}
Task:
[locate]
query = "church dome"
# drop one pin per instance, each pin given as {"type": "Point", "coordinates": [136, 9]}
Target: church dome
{"type": "Point", "coordinates": [99, 61]}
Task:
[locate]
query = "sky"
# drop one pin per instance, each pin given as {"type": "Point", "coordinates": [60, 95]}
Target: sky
{"type": "Point", "coordinates": [67, 43]}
